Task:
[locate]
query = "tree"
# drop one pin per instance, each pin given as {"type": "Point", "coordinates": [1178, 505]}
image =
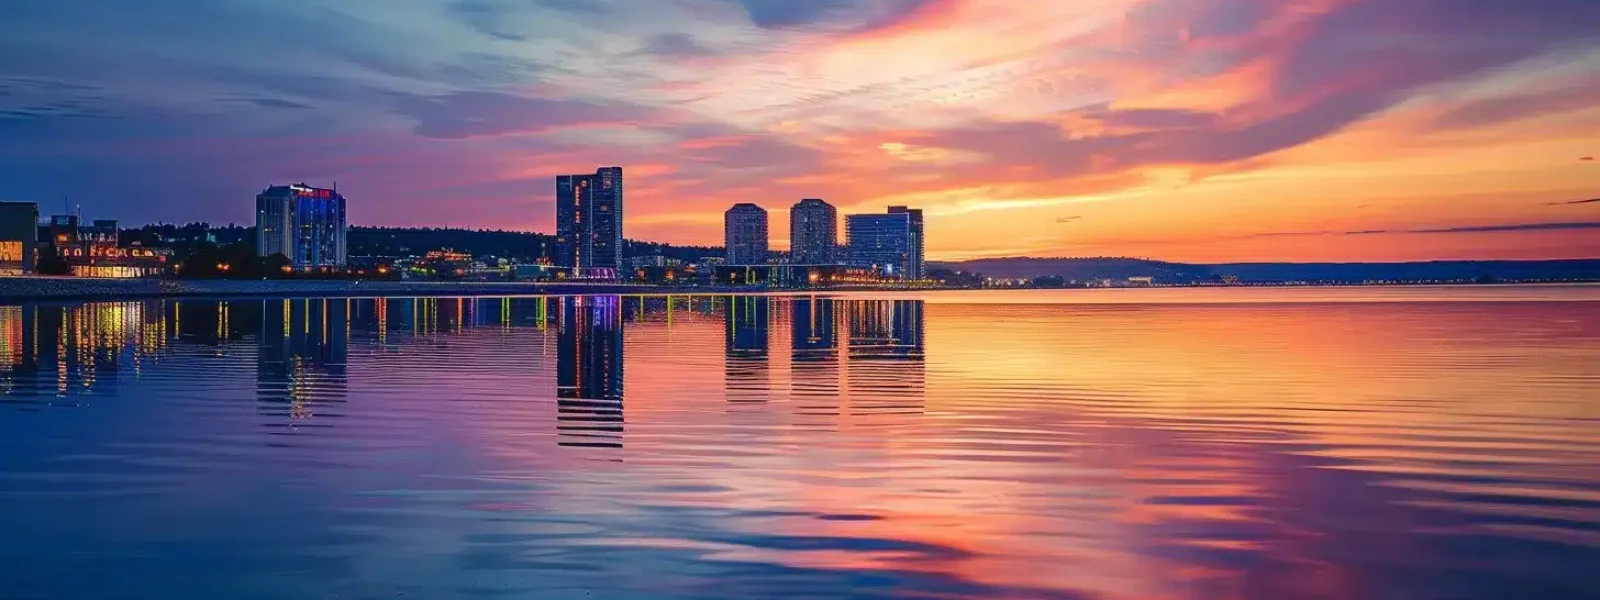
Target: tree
{"type": "Point", "coordinates": [275, 266]}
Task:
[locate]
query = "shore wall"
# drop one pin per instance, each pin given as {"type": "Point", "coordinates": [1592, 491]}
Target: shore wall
{"type": "Point", "coordinates": [71, 288]}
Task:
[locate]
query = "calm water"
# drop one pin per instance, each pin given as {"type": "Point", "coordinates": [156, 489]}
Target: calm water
{"type": "Point", "coordinates": [1163, 444]}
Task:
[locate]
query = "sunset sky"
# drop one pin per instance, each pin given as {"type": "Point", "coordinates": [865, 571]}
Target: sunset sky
{"type": "Point", "coordinates": [1196, 130]}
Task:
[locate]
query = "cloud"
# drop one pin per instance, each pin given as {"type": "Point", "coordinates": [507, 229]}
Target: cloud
{"type": "Point", "coordinates": [858, 15]}
{"type": "Point", "coordinates": [676, 45]}
{"type": "Point", "coordinates": [1518, 227]}
{"type": "Point", "coordinates": [483, 113]}
{"type": "Point", "coordinates": [276, 103]}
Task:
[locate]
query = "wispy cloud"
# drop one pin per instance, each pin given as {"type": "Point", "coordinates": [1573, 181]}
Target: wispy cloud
{"type": "Point", "coordinates": [1179, 119]}
{"type": "Point", "coordinates": [1518, 227]}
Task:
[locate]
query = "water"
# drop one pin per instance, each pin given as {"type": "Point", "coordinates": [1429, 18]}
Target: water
{"type": "Point", "coordinates": [1411, 443]}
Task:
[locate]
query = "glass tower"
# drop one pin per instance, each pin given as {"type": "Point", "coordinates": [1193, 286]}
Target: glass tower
{"type": "Point", "coordinates": [589, 220]}
{"type": "Point", "coordinates": [306, 224]}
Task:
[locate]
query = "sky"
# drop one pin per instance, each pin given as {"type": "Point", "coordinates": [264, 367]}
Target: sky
{"type": "Point", "coordinates": [1195, 130]}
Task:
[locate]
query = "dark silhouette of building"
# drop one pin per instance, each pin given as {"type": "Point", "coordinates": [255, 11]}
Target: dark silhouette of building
{"type": "Point", "coordinates": [813, 233]}
{"type": "Point", "coordinates": [19, 237]}
{"type": "Point", "coordinates": [589, 357]}
{"type": "Point", "coordinates": [589, 221]}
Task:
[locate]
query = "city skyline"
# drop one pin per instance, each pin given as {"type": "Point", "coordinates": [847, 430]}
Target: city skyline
{"type": "Point", "coordinates": [1204, 131]}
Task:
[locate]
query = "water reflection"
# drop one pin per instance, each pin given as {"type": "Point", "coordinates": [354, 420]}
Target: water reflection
{"type": "Point", "coordinates": [302, 352]}
{"type": "Point", "coordinates": [445, 448]}
{"type": "Point", "coordinates": [887, 372]}
{"type": "Point", "coordinates": [746, 373]}
{"type": "Point", "coordinates": [814, 356]}
{"type": "Point", "coordinates": [589, 372]}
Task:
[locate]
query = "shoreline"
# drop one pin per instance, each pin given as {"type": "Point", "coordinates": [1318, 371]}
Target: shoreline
{"type": "Point", "coordinates": [34, 289]}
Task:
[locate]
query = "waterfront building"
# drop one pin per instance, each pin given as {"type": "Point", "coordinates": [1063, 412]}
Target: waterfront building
{"type": "Point", "coordinates": [890, 244]}
{"type": "Point", "coordinates": [95, 250]}
{"type": "Point", "coordinates": [304, 223]}
{"type": "Point", "coordinates": [745, 234]}
{"type": "Point", "coordinates": [915, 268]}
{"type": "Point", "coordinates": [589, 222]}
{"type": "Point", "coordinates": [813, 233]}
{"type": "Point", "coordinates": [19, 235]}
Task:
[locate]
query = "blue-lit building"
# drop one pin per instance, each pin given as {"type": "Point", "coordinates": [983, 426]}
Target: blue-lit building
{"type": "Point", "coordinates": [589, 221]}
{"type": "Point", "coordinates": [306, 224]}
{"type": "Point", "coordinates": [890, 244]}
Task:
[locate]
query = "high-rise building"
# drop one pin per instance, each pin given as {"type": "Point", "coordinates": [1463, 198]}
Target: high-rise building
{"type": "Point", "coordinates": [19, 234]}
{"type": "Point", "coordinates": [813, 233]}
{"type": "Point", "coordinates": [914, 266]}
{"type": "Point", "coordinates": [589, 220]}
{"type": "Point", "coordinates": [306, 224]}
{"type": "Point", "coordinates": [891, 243]}
{"type": "Point", "coordinates": [745, 234]}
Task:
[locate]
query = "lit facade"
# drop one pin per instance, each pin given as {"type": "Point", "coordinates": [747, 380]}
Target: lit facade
{"type": "Point", "coordinates": [915, 258]}
{"type": "Point", "coordinates": [745, 234]}
{"type": "Point", "coordinates": [306, 224]}
{"type": "Point", "coordinates": [813, 233]}
{"type": "Point", "coordinates": [891, 243]}
{"type": "Point", "coordinates": [589, 220]}
{"type": "Point", "coordinates": [94, 250]}
{"type": "Point", "coordinates": [19, 232]}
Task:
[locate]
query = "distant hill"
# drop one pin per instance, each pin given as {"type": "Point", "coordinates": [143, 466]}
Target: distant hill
{"type": "Point", "coordinates": [1081, 269]}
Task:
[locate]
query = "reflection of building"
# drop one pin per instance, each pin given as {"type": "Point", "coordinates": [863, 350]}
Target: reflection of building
{"type": "Point", "coordinates": [745, 234]}
{"type": "Point", "coordinates": [747, 323]}
{"type": "Point", "coordinates": [19, 231]}
{"type": "Point", "coordinates": [886, 372]}
{"type": "Point", "coordinates": [813, 233]}
{"type": "Point", "coordinates": [60, 350]}
{"type": "Point", "coordinates": [304, 223]}
{"type": "Point", "coordinates": [303, 347]}
{"type": "Point", "coordinates": [816, 329]}
{"type": "Point", "coordinates": [589, 372]}
{"type": "Point", "coordinates": [814, 364]}
{"type": "Point", "coordinates": [889, 243]}
{"type": "Point", "coordinates": [589, 221]}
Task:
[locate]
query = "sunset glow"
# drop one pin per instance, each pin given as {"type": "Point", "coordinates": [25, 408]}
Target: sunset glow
{"type": "Point", "coordinates": [1198, 130]}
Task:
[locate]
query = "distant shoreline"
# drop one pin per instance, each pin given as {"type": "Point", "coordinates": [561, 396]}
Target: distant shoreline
{"type": "Point", "coordinates": [22, 289]}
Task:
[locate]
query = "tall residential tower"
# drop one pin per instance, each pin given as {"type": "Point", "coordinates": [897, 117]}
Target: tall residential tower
{"type": "Point", "coordinates": [589, 220]}
{"type": "Point", "coordinates": [813, 233]}
{"type": "Point", "coordinates": [745, 234]}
